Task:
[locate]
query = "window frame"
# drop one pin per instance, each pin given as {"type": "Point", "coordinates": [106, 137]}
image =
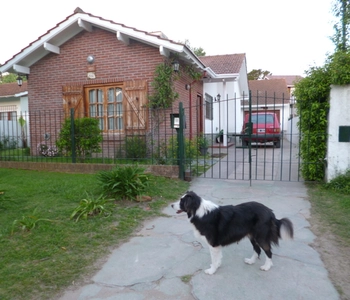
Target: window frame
{"type": "Point", "coordinates": [103, 105]}
{"type": "Point", "coordinates": [209, 108]}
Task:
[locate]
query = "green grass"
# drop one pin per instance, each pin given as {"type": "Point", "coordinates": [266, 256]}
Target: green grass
{"type": "Point", "coordinates": [333, 208]}
{"type": "Point", "coordinates": [37, 262]}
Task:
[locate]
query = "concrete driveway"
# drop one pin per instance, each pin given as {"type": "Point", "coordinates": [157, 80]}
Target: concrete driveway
{"type": "Point", "coordinates": [164, 261]}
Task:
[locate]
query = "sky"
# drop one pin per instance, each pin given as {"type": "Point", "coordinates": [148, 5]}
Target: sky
{"type": "Point", "coordinates": [280, 36]}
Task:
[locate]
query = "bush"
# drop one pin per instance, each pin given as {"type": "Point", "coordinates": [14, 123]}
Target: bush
{"type": "Point", "coordinates": [135, 147]}
{"type": "Point", "coordinates": [340, 184]}
{"type": "Point", "coordinates": [125, 182]}
{"type": "Point", "coordinates": [91, 206]}
{"type": "Point", "coordinates": [167, 151]}
{"type": "Point", "coordinates": [87, 137]}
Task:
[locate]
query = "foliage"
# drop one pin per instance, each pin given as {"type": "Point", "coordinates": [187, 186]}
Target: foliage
{"type": "Point", "coordinates": [28, 222]}
{"type": "Point", "coordinates": [11, 77]}
{"type": "Point", "coordinates": [202, 141]}
{"type": "Point", "coordinates": [164, 93]}
{"type": "Point", "coordinates": [87, 137]}
{"type": "Point", "coordinates": [258, 74]}
{"type": "Point", "coordinates": [69, 248]}
{"type": "Point", "coordinates": [167, 151]}
{"type": "Point", "coordinates": [124, 182]}
{"type": "Point", "coordinates": [341, 10]}
{"type": "Point", "coordinates": [340, 184]}
{"type": "Point", "coordinates": [199, 51]}
{"type": "Point", "coordinates": [91, 206]}
{"type": "Point", "coordinates": [338, 68]}
{"type": "Point", "coordinates": [8, 142]}
{"type": "Point", "coordinates": [135, 147]}
{"type": "Point", "coordinates": [312, 104]}
{"type": "Point", "coordinates": [22, 122]}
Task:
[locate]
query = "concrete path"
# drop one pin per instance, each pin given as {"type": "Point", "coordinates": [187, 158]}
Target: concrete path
{"type": "Point", "coordinates": [164, 261]}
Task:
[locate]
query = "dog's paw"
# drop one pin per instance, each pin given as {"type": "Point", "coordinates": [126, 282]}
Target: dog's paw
{"type": "Point", "coordinates": [249, 261]}
{"type": "Point", "coordinates": [210, 271]}
{"type": "Point", "coordinates": [267, 266]}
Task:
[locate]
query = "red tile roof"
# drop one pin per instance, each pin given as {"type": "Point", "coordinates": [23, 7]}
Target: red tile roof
{"type": "Point", "coordinates": [272, 91]}
{"type": "Point", "coordinates": [224, 64]}
{"type": "Point", "coordinates": [290, 79]}
{"type": "Point", "coordinates": [10, 89]}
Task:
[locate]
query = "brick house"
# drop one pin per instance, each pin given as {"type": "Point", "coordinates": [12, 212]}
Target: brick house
{"type": "Point", "coordinates": [104, 69]}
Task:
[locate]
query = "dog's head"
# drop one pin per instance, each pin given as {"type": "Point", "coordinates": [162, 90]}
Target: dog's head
{"type": "Point", "coordinates": [188, 203]}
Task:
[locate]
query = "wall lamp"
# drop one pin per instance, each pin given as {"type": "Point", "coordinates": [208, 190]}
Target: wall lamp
{"type": "Point", "coordinates": [218, 96]}
{"type": "Point", "coordinates": [176, 66]}
{"type": "Point", "coordinates": [19, 80]}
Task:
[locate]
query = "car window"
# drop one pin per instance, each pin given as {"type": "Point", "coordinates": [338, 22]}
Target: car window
{"type": "Point", "coordinates": [262, 119]}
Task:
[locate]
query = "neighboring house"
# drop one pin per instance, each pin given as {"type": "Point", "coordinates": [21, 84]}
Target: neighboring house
{"type": "Point", "coordinates": [290, 81]}
{"type": "Point", "coordinates": [92, 64]}
{"type": "Point", "coordinates": [13, 105]}
{"type": "Point", "coordinates": [232, 86]}
{"type": "Point", "coordinates": [270, 95]}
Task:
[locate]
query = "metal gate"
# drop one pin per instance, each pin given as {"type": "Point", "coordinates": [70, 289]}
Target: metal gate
{"type": "Point", "coordinates": [228, 157]}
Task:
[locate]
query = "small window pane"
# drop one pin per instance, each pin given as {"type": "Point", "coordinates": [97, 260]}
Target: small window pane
{"type": "Point", "coordinates": [100, 96]}
{"type": "Point", "coordinates": [110, 123]}
{"type": "Point", "coordinates": [100, 110]}
{"type": "Point", "coordinates": [92, 96]}
{"type": "Point", "coordinates": [119, 94]}
{"type": "Point", "coordinates": [111, 95]}
{"type": "Point", "coordinates": [92, 111]}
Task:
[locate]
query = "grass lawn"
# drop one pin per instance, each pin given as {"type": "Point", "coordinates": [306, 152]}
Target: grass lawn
{"type": "Point", "coordinates": [333, 208]}
{"type": "Point", "coordinates": [42, 250]}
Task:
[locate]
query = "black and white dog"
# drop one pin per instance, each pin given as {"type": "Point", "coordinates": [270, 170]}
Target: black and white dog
{"type": "Point", "coordinates": [223, 225]}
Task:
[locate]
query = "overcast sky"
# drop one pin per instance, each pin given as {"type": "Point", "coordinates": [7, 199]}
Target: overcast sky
{"type": "Point", "coordinates": [283, 37]}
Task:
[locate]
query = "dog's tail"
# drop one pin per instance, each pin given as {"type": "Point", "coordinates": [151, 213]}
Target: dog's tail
{"type": "Point", "coordinates": [285, 229]}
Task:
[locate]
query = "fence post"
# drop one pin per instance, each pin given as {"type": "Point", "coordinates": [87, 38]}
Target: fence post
{"type": "Point", "coordinates": [181, 143]}
{"type": "Point", "coordinates": [72, 135]}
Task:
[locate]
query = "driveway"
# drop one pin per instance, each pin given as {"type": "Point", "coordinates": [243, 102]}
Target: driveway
{"type": "Point", "coordinates": [164, 261]}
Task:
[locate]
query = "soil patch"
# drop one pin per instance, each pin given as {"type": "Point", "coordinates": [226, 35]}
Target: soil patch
{"type": "Point", "coordinates": [334, 253]}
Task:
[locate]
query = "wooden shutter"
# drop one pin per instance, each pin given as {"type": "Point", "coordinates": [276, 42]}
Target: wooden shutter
{"type": "Point", "coordinates": [73, 97]}
{"type": "Point", "coordinates": [136, 109]}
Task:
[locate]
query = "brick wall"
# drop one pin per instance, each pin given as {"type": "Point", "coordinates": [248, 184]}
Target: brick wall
{"type": "Point", "coordinates": [115, 62]}
{"type": "Point", "coordinates": [165, 171]}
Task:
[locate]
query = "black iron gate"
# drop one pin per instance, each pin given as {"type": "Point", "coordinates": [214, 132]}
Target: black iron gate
{"type": "Point", "coordinates": [230, 156]}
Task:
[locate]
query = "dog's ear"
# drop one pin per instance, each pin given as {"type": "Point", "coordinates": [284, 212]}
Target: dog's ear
{"type": "Point", "coordinates": [190, 205]}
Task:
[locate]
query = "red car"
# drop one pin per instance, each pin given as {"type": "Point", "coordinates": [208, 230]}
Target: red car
{"type": "Point", "coordinates": [266, 128]}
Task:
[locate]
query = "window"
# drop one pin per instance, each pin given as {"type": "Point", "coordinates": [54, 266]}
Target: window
{"type": "Point", "coordinates": [208, 107]}
{"type": "Point", "coordinates": [106, 104]}
{"type": "Point", "coordinates": [8, 116]}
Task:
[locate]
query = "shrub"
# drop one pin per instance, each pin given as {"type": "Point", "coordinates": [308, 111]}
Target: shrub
{"type": "Point", "coordinates": [167, 151]}
{"type": "Point", "coordinates": [125, 182]}
{"type": "Point", "coordinates": [91, 206]}
{"type": "Point", "coordinates": [135, 147]}
{"type": "Point", "coordinates": [87, 137]}
{"type": "Point", "coordinates": [340, 184]}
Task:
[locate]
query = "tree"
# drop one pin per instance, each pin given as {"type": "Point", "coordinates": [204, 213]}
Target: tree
{"type": "Point", "coordinates": [341, 10]}
{"type": "Point", "coordinates": [199, 51]}
{"type": "Point", "coordinates": [258, 74]}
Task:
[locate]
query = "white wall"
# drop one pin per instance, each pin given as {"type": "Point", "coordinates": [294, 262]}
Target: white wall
{"type": "Point", "coordinates": [338, 153]}
{"type": "Point", "coordinates": [292, 132]}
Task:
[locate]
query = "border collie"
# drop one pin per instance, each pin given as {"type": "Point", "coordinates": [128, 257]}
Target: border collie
{"type": "Point", "coordinates": [223, 225]}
